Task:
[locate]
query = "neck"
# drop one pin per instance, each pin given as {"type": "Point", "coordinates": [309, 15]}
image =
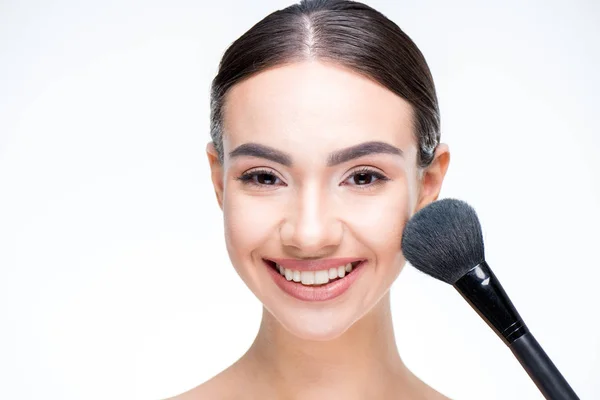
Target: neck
{"type": "Point", "coordinates": [361, 363]}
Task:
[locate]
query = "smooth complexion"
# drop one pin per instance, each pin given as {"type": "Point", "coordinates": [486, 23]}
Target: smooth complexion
{"type": "Point", "coordinates": [320, 162]}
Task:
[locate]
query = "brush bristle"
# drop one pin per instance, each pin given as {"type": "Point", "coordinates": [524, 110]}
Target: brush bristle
{"type": "Point", "coordinates": [444, 240]}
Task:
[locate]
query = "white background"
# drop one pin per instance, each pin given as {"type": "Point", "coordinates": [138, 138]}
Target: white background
{"type": "Point", "coordinates": [114, 278]}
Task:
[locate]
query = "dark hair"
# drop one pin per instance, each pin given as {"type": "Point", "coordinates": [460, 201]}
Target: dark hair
{"type": "Point", "coordinates": [345, 32]}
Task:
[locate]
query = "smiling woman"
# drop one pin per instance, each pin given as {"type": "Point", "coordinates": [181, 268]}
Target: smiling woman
{"type": "Point", "coordinates": [325, 140]}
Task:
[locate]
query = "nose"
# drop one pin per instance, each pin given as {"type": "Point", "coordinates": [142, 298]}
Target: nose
{"type": "Point", "coordinates": [312, 227]}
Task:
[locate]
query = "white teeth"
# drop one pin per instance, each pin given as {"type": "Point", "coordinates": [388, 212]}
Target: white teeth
{"type": "Point", "coordinates": [321, 277]}
{"type": "Point", "coordinates": [289, 274]}
{"type": "Point", "coordinates": [315, 277]}
{"type": "Point", "coordinates": [307, 277]}
{"type": "Point", "coordinates": [332, 273]}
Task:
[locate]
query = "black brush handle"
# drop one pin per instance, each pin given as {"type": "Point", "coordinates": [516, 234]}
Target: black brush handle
{"type": "Point", "coordinates": [541, 369]}
{"type": "Point", "coordinates": [483, 291]}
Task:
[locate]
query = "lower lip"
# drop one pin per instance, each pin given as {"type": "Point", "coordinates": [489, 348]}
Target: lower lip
{"type": "Point", "coordinates": [315, 293]}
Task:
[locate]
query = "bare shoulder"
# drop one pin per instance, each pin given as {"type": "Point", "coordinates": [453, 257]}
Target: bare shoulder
{"type": "Point", "coordinates": [221, 387]}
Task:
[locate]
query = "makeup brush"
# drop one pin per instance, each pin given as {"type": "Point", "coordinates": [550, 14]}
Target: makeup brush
{"type": "Point", "coordinates": [444, 240]}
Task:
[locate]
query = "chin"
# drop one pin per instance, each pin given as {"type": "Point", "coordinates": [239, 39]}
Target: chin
{"type": "Point", "coordinates": [316, 324]}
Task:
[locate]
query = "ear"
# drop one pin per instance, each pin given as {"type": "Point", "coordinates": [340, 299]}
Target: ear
{"type": "Point", "coordinates": [216, 172]}
{"type": "Point", "coordinates": [433, 176]}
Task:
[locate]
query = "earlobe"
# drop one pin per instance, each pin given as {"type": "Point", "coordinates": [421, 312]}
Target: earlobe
{"type": "Point", "coordinates": [216, 172]}
{"type": "Point", "coordinates": [433, 177]}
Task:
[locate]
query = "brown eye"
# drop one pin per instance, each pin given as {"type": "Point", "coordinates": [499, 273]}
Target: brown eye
{"type": "Point", "coordinates": [260, 178]}
{"type": "Point", "coordinates": [363, 178]}
{"type": "Point", "coordinates": [265, 179]}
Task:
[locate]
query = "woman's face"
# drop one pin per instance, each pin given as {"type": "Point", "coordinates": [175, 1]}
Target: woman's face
{"type": "Point", "coordinates": [319, 171]}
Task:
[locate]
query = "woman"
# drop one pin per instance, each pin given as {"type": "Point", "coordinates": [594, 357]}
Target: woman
{"type": "Point", "coordinates": [325, 140]}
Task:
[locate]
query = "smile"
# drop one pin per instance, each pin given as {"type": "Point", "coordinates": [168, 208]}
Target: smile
{"type": "Point", "coordinates": [316, 280]}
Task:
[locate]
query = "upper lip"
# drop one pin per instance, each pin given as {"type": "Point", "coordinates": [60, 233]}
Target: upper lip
{"type": "Point", "coordinates": [313, 265]}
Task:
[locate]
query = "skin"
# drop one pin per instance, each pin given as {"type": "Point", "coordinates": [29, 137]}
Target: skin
{"type": "Point", "coordinates": [344, 347]}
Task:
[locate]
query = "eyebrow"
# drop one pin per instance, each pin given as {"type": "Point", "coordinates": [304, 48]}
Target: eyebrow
{"type": "Point", "coordinates": [335, 158]}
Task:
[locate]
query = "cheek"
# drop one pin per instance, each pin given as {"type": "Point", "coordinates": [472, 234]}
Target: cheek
{"type": "Point", "coordinates": [378, 221]}
{"type": "Point", "coordinates": [249, 222]}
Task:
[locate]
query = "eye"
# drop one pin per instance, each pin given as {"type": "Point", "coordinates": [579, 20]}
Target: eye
{"type": "Point", "coordinates": [259, 177]}
{"type": "Point", "coordinates": [366, 177]}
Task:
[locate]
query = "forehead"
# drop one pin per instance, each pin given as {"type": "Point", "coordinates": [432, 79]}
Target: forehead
{"type": "Point", "coordinates": [314, 106]}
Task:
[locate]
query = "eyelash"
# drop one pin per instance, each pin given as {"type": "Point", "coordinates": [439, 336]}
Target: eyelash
{"type": "Point", "coordinates": [248, 177]}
